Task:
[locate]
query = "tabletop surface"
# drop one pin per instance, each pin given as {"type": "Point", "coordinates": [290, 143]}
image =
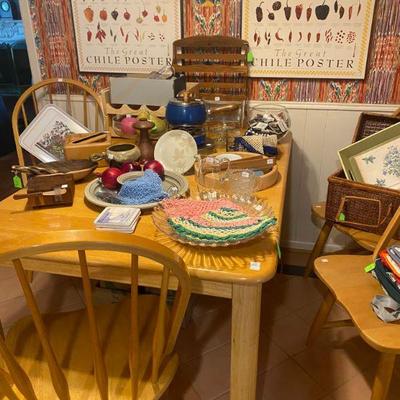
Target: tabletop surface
{"type": "Point", "coordinates": [228, 264]}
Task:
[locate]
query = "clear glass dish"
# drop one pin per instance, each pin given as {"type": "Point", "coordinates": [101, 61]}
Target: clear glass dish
{"type": "Point", "coordinates": [252, 206]}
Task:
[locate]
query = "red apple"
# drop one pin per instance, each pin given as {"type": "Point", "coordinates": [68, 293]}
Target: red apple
{"type": "Point", "coordinates": [156, 166]}
{"type": "Point", "coordinates": [109, 178]}
{"type": "Point", "coordinates": [130, 166]}
{"type": "Point", "coordinates": [127, 125]}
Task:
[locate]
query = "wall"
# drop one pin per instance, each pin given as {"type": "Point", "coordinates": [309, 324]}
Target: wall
{"type": "Point", "coordinates": [53, 27]}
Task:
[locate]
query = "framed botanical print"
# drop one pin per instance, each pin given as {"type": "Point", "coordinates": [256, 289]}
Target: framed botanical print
{"type": "Point", "coordinates": [375, 159]}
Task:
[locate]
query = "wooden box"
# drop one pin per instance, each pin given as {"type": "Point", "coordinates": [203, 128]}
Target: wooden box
{"type": "Point", "coordinates": [82, 146]}
{"type": "Point", "coordinates": [49, 190]}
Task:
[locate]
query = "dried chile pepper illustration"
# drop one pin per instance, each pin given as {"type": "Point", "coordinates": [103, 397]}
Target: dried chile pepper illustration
{"type": "Point", "coordinates": [259, 12]}
{"type": "Point", "coordinates": [350, 12]}
{"type": "Point", "coordinates": [308, 12]}
{"type": "Point", "coordinates": [322, 11]}
{"type": "Point", "coordinates": [287, 10]}
{"type": "Point", "coordinates": [114, 14]}
{"type": "Point", "coordinates": [103, 14]}
{"type": "Point", "coordinates": [276, 6]}
{"type": "Point", "coordinates": [298, 10]}
{"type": "Point", "coordinates": [89, 14]}
{"type": "Point", "coordinates": [277, 36]}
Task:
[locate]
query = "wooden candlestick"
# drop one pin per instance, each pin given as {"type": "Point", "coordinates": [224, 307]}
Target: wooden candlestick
{"type": "Point", "coordinates": [145, 146]}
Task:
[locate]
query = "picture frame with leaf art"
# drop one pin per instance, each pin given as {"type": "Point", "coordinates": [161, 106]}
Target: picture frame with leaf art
{"type": "Point", "coordinates": [375, 159]}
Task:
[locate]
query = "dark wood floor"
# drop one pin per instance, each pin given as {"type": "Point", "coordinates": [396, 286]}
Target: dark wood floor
{"type": "Point", "coordinates": [6, 183]}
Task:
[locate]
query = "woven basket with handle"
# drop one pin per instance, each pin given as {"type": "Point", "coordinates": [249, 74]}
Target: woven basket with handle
{"type": "Point", "coordinates": [361, 205]}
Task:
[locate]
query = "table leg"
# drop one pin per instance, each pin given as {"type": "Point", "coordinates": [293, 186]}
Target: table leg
{"type": "Point", "coordinates": [246, 310]}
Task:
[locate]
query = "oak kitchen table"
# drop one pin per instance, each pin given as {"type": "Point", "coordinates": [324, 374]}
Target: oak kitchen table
{"type": "Point", "coordinates": [222, 272]}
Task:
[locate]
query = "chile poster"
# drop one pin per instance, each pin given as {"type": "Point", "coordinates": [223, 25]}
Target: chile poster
{"type": "Point", "coordinates": [125, 36]}
{"type": "Point", "coordinates": [308, 38]}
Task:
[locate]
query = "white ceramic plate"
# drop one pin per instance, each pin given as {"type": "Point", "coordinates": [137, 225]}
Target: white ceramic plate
{"type": "Point", "coordinates": [44, 136]}
{"type": "Point", "coordinates": [176, 150]}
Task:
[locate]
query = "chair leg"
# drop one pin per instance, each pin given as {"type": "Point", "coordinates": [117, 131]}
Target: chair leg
{"type": "Point", "coordinates": [29, 275]}
{"type": "Point", "coordinates": [383, 376]}
{"type": "Point", "coordinates": [321, 317]}
{"type": "Point", "coordinates": [318, 247]}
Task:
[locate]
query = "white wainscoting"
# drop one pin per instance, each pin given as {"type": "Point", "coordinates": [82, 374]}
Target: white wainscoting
{"type": "Point", "coordinates": [319, 130]}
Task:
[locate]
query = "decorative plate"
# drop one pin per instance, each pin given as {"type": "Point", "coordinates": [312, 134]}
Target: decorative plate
{"type": "Point", "coordinates": [221, 222]}
{"type": "Point", "coordinates": [174, 184]}
{"type": "Point", "coordinates": [176, 150]}
{"type": "Point", "coordinates": [44, 136]}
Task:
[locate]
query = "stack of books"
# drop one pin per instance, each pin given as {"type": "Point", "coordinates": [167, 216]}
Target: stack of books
{"type": "Point", "coordinates": [120, 219]}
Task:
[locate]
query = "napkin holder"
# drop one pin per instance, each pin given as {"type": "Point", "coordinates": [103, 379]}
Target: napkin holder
{"type": "Point", "coordinates": [49, 190]}
{"type": "Point", "coordinates": [81, 146]}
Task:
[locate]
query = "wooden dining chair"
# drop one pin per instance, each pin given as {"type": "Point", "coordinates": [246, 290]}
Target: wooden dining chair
{"type": "Point", "coordinates": [77, 99]}
{"type": "Point", "coordinates": [217, 63]}
{"type": "Point", "coordinates": [112, 351]}
{"type": "Point", "coordinates": [354, 289]}
{"type": "Point", "coordinates": [365, 240]}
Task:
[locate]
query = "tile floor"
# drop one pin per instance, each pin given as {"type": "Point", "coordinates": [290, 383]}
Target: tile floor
{"type": "Point", "coordinates": [338, 367]}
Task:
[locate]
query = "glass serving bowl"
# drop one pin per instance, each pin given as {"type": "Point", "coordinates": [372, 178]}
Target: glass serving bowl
{"type": "Point", "coordinates": [269, 114]}
{"type": "Point", "coordinates": [252, 206]}
{"type": "Point", "coordinates": [116, 127]}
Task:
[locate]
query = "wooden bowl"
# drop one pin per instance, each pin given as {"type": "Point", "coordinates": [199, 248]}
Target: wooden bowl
{"type": "Point", "coordinates": [263, 181]}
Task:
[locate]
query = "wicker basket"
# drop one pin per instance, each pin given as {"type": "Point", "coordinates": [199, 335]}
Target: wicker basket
{"type": "Point", "coordinates": [360, 205]}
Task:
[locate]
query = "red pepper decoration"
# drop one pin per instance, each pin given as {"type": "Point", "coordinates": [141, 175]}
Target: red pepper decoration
{"type": "Point", "coordinates": [309, 12]}
{"type": "Point", "coordinates": [89, 35]}
{"type": "Point", "coordinates": [350, 11]}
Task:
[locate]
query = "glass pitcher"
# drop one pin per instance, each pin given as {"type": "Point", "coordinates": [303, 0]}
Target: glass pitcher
{"type": "Point", "coordinates": [211, 176]}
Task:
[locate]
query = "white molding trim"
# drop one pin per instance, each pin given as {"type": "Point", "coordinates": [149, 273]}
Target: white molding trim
{"type": "Point", "coordinates": [30, 41]}
{"type": "Point", "coordinates": [291, 105]}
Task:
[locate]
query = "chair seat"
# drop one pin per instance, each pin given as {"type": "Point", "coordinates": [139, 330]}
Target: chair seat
{"type": "Point", "coordinates": [70, 338]}
{"type": "Point", "coordinates": [354, 289]}
{"type": "Point", "coordinates": [318, 209]}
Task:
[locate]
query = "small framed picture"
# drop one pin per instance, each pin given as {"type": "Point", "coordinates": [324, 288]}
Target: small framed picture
{"type": "Point", "coordinates": [44, 137]}
{"type": "Point", "coordinates": [375, 159]}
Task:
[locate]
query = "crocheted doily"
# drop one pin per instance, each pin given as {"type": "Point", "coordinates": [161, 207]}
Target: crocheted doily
{"type": "Point", "coordinates": [214, 221]}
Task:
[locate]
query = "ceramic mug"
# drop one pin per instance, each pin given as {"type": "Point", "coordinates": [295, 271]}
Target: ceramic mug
{"type": "Point", "coordinates": [118, 154]}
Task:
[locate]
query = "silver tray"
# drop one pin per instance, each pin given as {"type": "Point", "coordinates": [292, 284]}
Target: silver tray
{"type": "Point", "coordinates": [174, 184]}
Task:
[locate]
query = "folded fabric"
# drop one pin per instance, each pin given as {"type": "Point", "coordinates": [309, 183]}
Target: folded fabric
{"type": "Point", "coordinates": [146, 189]}
{"type": "Point", "coordinates": [386, 308]}
{"type": "Point", "coordinates": [262, 144]}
